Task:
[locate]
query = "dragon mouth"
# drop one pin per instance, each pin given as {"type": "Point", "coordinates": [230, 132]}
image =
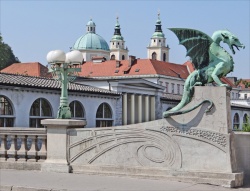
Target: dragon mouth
{"type": "Point", "coordinates": [232, 47]}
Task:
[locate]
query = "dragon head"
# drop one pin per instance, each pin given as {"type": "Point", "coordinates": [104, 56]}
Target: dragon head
{"type": "Point", "coordinates": [231, 40]}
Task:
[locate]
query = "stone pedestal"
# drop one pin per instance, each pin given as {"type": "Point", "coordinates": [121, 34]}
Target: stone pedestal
{"type": "Point", "coordinates": [194, 147]}
{"type": "Point", "coordinates": [57, 143]}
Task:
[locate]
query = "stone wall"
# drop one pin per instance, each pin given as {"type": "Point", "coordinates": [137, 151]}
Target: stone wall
{"type": "Point", "coordinates": [197, 146]}
{"type": "Point", "coordinates": [242, 148]}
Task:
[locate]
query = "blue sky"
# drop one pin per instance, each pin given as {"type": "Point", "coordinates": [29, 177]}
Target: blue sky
{"type": "Point", "coordinates": [33, 28]}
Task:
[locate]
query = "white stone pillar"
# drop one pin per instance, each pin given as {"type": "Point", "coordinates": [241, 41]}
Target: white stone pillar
{"type": "Point", "coordinates": [140, 108]}
{"type": "Point", "coordinates": [147, 108]}
{"type": "Point", "coordinates": [57, 143]}
{"type": "Point", "coordinates": [152, 102]}
{"type": "Point", "coordinates": [125, 109]}
{"type": "Point", "coordinates": [132, 109]}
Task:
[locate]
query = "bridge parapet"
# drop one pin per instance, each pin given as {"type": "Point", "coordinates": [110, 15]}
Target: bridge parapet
{"type": "Point", "coordinates": [23, 144]}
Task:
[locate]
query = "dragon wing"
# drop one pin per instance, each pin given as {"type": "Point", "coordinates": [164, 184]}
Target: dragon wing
{"type": "Point", "coordinates": [197, 44]}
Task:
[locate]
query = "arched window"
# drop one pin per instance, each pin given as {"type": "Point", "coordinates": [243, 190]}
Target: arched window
{"type": "Point", "coordinates": [6, 112]}
{"type": "Point", "coordinates": [39, 110]}
{"type": "Point", "coordinates": [77, 110]}
{"type": "Point", "coordinates": [153, 56]}
{"type": "Point", "coordinates": [164, 57]}
{"type": "Point", "coordinates": [123, 57]}
{"type": "Point", "coordinates": [104, 116]}
{"type": "Point", "coordinates": [245, 119]}
{"type": "Point", "coordinates": [112, 57]}
{"type": "Point", "coordinates": [236, 121]}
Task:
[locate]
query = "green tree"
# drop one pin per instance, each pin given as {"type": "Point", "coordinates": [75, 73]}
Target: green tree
{"type": "Point", "coordinates": [246, 126]}
{"type": "Point", "coordinates": [6, 54]}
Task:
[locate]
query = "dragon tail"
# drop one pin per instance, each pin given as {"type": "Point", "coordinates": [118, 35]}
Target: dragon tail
{"type": "Point", "coordinates": [177, 112]}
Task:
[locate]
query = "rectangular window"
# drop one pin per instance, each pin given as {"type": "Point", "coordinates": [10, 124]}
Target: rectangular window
{"type": "Point", "coordinates": [172, 89]}
{"type": "Point", "coordinates": [178, 88]}
{"type": "Point", "coordinates": [232, 95]}
{"type": "Point", "coordinates": [245, 96]}
{"type": "Point", "coordinates": [167, 87]}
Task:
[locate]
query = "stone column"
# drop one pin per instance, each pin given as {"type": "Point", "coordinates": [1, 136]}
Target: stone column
{"type": "Point", "coordinates": [12, 152]}
{"type": "Point", "coordinates": [57, 143]}
{"type": "Point", "coordinates": [147, 108]}
{"type": "Point", "coordinates": [140, 108]}
{"type": "Point", "coordinates": [32, 152]}
{"type": "Point", "coordinates": [132, 109]}
{"type": "Point", "coordinates": [42, 153]}
{"type": "Point", "coordinates": [125, 109]}
{"type": "Point", "coordinates": [22, 153]}
{"type": "Point", "coordinates": [152, 102]}
{"type": "Point", "coordinates": [3, 148]}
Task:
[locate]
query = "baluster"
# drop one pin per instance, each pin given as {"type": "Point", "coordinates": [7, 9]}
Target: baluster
{"type": "Point", "coordinates": [42, 153]}
{"type": "Point", "coordinates": [32, 153]}
{"type": "Point", "coordinates": [22, 153]}
{"type": "Point", "coordinates": [12, 152]}
{"type": "Point", "coordinates": [3, 148]}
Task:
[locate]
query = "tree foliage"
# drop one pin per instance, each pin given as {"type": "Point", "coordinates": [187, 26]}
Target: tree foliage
{"type": "Point", "coordinates": [244, 82]}
{"type": "Point", "coordinates": [6, 55]}
{"type": "Point", "coordinates": [246, 126]}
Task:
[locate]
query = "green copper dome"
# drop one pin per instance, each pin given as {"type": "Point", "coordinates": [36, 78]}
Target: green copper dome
{"type": "Point", "coordinates": [91, 23]}
{"type": "Point", "coordinates": [91, 41]}
{"type": "Point", "coordinates": [158, 31]}
{"type": "Point", "coordinates": [117, 34]}
{"type": "Point", "coordinates": [158, 35]}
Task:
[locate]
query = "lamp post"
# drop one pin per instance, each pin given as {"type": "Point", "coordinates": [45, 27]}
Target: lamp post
{"type": "Point", "coordinates": [64, 68]}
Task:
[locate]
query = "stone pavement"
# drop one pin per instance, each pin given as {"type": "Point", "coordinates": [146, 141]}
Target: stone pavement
{"type": "Point", "coordinates": [14, 180]}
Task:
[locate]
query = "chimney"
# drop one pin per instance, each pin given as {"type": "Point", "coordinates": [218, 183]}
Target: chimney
{"type": "Point", "coordinates": [118, 63]}
{"type": "Point", "coordinates": [131, 60]}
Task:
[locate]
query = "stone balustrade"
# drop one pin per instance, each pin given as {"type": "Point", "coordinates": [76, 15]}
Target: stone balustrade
{"type": "Point", "coordinates": [23, 144]}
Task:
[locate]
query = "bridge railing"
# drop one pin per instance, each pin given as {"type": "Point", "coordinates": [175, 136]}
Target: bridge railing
{"type": "Point", "coordinates": [23, 144]}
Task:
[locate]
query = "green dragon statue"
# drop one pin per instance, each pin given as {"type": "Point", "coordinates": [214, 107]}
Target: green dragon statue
{"type": "Point", "coordinates": [210, 60]}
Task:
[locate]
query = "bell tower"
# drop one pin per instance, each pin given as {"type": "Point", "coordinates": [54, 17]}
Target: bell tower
{"type": "Point", "coordinates": [157, 49]}
{"type": "Point", "coordinates": [117, 45]}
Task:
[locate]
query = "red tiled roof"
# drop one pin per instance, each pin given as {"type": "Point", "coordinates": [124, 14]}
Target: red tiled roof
{"type": "Point", "coordinates": [243, 85]}
{"type": "Point", "coordinates": [139, 67]}
{"type": "Point", "coordinates": [190, 66]}
{"type": "Point", "coordinates": [30, 69]}
{"type": "Point", "coordinates": [227, 81]}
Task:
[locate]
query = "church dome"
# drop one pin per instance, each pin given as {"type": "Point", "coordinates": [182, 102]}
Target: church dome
{"type": "Point", "coordinates": [91, 41]}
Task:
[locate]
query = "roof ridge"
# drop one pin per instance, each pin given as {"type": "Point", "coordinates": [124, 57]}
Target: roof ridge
{"type": "Point", "coordinates": [25, 75]}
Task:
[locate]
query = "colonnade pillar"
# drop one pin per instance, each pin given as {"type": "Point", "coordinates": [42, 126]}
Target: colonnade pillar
{"type": "Point", "coordinates": [152, 108]}
{"type": "Point", "coordinates": [147, 108]}
{"type": "Point", "coordinates": [132, 109]}
{"type": "Point", "coordinates": [140, 108]}
{"type": "Point", "coordinates": [125, 109]}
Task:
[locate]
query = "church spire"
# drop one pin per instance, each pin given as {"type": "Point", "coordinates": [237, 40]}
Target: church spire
{"type": "Point", "coordinates": [157, 49]}
{"type": "Point", "coordinates": [117, 27]}
{"type": "Point", "coordinates": [158, 24]}
{"type": "Point", "coordinates": [117, 44]}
